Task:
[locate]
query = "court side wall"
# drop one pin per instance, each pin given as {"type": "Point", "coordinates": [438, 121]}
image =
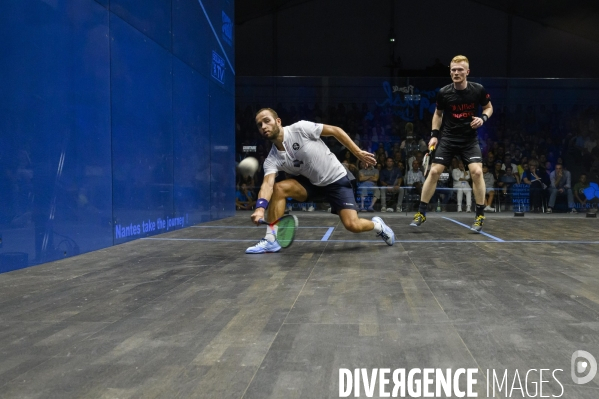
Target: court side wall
{"type": "Point", "coordinates": [116, 122]}
{"type": "Point", "coordinates": [341, 38]}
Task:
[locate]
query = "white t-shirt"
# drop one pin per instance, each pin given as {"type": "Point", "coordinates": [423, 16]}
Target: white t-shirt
{"type": "Point", "coordinates": [305, 154]}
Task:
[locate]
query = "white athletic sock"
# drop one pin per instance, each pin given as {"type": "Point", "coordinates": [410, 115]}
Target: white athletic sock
{"type": "Point", "coordinates": [271, 233]}
{"type": "Point", "coordinates": [377, 227]}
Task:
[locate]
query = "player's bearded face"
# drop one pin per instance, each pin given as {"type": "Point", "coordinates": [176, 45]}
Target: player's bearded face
{"type": "Point", "coordinates": [459, 71]}
{"type": "Point", "coordinates": [268, 126]}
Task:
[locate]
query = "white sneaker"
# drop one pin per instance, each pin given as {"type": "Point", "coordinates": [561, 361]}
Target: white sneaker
{"type": "Point", "coordinates": [383, 209]}
{"type": "Point", "coordinates": [489, 208]}
{"type": "Point", "coordinates": [399, 209]}
{"type": "Point", "coordinates": [390, 210]}
{"type": "Point", "coordinates": [311, 209]}
{"type": "Point", "coordinates": [264, 246]}
{"type": "Point", "coordinates": [387, 234]}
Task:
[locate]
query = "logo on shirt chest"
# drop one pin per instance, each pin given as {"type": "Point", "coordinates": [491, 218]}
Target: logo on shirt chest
{"type": "Point", "coordinates": [296, 146]}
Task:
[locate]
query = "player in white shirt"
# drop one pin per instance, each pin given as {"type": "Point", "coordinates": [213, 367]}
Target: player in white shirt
{"type": "Point", "coordinates": [299, 151]}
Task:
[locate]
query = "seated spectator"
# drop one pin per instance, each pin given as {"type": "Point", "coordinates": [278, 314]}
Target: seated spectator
{"type": "Point", "coordinates": [508, 179]}
{"type": "Point", "coordinates": [368, 178]}
{"type": "Point", "coordinates": [443, 191]}
{"type": "Point", "coordinates": [418, 156]}
{"type": "Point", "coordinates": [507, 161]}
{"type": "Point", "coordinates": [390, 181]}
{"type": "Point", "coordinates": [244, 199]}
{"type": "Point", "coordinates": [410, 144]}
{"type": "Point", "coordinates": [461, 178]}
{"type": "Point", "coordinates": [522, 167]}
{"type": "Point", "coordinates": [535, 178]}
{"type": "Point", "coordinates": [490, 160]}
{"type": "Point", "coordinates": [579, 188]}
{"type": "Point", "coordinates": [490, 187]}
{"type": "Point", "coordinates": [414, 178]}
{"type": "Point", "coordinates": [561, 184]}
{"type": "Point", "coordinates": [400, 165]}
{"type": "Point", "coordinates": [497, 171]}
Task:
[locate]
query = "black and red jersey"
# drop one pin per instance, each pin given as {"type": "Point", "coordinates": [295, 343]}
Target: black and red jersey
{"type": "Point", "coordinates": [459, 107]}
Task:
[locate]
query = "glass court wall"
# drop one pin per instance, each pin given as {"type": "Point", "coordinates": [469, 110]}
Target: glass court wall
{"type": "Point", "coordinates": [116, 122]}
{"type": "Point", "coordinates": [551, 120]}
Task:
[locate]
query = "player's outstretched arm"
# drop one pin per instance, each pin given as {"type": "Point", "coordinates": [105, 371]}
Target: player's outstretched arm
{"type": "Point", "coordinates": [265, 194]}
{"type": "Point", "coordinates": [343, 138]}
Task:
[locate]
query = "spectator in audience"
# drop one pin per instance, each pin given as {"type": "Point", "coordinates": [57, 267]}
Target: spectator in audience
{"type": "Point", "coordinates": [414, 178]}
{"type": "Point", "coordinates": [461, 183]}
{"type": "Point", "coordinates": [507, 180]}
{"type": "Point", "coordinates": [497, 171]}
{"type": "Point", "coordinates": [522, 167]}
{"type": "Point", "coordinates": [390, 181]}
{"type": "Point", "coordinates": [368, 178]}
{"type": "Point", "coordinates": [418, 156]}
{"type": "Point", "coordinates": [244, 199]}
{"type": "Point", "coordinates": [535, 178]}
{"type": "Point", "coordinates": [561, 184]}
{"type": "Point", "coordinates": [401, 166]}
{"type": "Point", "coordinates": [410, 144]}
{"type": "Point", "coordinates": [490, 187]}
{"type": "Point", "coordinates": [443, 191]}
{"type": "Point", "coordinates": [579, 188]}
{"type": "Point", "coordinates": [455, 164]}
{"type": "Point", "coordinates": [490, 160]}
{"type": "Point", "coordinates": [507, 161]}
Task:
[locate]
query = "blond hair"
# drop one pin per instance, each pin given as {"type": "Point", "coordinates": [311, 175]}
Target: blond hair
{"type": "Point", "coordinates": [460, 58]}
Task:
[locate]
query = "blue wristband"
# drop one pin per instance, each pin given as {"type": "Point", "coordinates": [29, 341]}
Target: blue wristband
{"type": "Point", "coordinates": [262, 203]}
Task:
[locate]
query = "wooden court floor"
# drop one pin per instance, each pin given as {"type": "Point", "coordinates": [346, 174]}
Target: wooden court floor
{"type": "Point", "coordinates": [188, 314]}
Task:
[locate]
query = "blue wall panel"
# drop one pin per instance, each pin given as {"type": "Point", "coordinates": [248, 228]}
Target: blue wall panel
{"type": "Point", "coordinates": [201, 45]}
{"type": "Point", "coordinates": [191, 133]}
{"type": "Point", "coordinates": [150, 17]}
{"type": "Point", "coordinates": [105, 134]}
{"type": "Point", "coordinates": [222, 149]}
{"type": "Point", "coordinates": [55, 131]}
{"type": "Point", "coordinates": [142, 135]}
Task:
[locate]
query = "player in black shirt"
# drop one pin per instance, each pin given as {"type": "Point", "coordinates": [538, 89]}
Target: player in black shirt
{"type": "Point", "coordinates": [454, 134]}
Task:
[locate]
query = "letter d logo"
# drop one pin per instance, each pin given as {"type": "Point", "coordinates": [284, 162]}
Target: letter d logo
{"type": "Point", "coordinates": [579, 366]}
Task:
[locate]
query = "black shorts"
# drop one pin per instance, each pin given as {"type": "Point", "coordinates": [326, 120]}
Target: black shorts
{"type": "Point", "coordinates": [468, 151]}
{"type": "Point", "coordinates": [340, 194]}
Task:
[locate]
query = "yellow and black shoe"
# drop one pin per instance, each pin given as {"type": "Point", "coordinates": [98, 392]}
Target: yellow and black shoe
{"type": "Point", "coordinates": [419, 218]}
{"type": "Point", "coordinates": [478, 224]}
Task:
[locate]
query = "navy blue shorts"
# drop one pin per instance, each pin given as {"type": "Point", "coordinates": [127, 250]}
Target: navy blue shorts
{"type": "Point", "coordinates": [340, 194]}
{"type": "Point", "coordinates": [469, 151]}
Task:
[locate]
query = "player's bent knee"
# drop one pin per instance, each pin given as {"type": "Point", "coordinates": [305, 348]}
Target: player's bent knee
{"type": "Point", "coordinates": [350, 220]}
{"type": "Point", "coordinates": [352, 226]}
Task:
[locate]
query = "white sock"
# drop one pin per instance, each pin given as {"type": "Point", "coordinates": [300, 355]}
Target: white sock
{"type": "Point", "coordinates": [271, 233]}
{"type": "Point", "coordinates": [377, 227]}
